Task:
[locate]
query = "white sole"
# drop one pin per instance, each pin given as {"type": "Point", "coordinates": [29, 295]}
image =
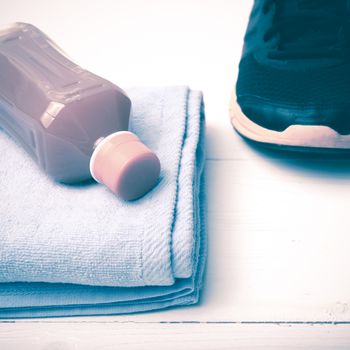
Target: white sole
{"type": "Point", "coordinates": [307, 136]}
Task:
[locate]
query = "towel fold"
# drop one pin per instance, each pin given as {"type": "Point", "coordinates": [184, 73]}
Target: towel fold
{"type": "Point", "coordinates": [78, 250]}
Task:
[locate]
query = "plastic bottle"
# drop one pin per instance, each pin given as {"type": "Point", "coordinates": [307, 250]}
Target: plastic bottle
{"type": "Point", "coordinates": [72, 122]}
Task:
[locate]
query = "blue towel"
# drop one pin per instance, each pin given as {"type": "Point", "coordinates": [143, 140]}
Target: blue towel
{"type": "Point", "coordinates": [78, 250]}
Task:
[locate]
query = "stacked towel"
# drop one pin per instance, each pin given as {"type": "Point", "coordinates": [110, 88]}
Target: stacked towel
{"type": "Point", "coordinates": [78, 250]}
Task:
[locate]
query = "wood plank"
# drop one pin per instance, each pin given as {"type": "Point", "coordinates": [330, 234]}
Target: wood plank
{"type": "Point", "coordinates": [278, 245]}
{"type": "Point", "coordinates": [111, 336]}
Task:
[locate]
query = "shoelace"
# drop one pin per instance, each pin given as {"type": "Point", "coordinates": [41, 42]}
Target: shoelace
{"type": "Point", "coordinates": [314, 29]}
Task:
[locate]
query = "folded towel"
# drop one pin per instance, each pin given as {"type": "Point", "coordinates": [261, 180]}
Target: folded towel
{"type": "Point", "coordinates": [78, 250]}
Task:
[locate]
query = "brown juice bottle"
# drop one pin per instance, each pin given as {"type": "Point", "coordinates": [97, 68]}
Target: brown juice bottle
{"type": "Point", "coordinates": [72, 122]}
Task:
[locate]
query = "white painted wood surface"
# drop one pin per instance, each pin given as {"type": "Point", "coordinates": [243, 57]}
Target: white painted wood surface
{"type": "Point", "coordinates": [279, 227]}
{"type": "Point", "coordinates": [148, 336]}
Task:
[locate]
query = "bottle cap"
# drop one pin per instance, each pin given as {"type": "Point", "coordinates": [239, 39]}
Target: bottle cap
{"type": "Point", "coordinates": [125, 165]}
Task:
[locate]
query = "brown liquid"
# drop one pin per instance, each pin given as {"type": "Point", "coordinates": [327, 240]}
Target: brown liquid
{"type": "Point", "coordinates": [54, 108]}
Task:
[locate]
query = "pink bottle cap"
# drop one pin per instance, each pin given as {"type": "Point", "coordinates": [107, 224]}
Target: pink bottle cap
{"type": "Point", "coordinates": [125, 165]}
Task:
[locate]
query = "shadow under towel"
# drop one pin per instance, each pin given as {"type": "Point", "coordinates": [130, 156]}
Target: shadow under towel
{"type": "Point", "coordinates": [79, 250]}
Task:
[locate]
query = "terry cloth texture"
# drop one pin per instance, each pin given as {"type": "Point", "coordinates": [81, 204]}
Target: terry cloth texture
{"type": "Point", "coordinates": [79, 250]}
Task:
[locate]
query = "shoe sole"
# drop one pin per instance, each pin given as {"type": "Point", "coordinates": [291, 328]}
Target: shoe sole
{"type": "Point", "coordinates": [295, 137]}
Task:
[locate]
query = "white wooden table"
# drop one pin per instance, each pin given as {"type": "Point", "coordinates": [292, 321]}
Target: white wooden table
{"type": "Point", "coordinates": [278, 273]}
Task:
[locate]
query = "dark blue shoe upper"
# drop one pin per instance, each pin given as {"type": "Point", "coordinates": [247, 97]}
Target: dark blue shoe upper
{"type": "Point", "coordinates": [295, 67]}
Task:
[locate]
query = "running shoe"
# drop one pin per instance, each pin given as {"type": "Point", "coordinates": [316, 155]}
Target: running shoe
{"type": "Point", "coordinates": [293, 86]}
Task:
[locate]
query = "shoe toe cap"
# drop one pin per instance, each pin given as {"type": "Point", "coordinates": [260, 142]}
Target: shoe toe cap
{"type": "Point", "coordinates": [275, 116]}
